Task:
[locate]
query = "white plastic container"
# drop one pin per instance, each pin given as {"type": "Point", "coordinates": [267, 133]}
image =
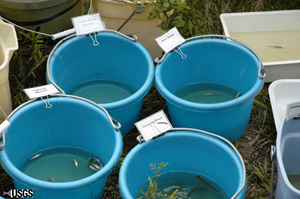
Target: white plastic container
{"type": "Point", "coordinates": [274, 35]}
{"type": "Point", "coordinates": [288, 159]}
{"type": "Point", "coordinates": [8, 44]}
{"type": "Point", "coordinates": [283, 93]}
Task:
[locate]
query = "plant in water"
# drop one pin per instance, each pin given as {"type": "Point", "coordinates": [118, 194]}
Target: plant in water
{"type": "Point", "coordinates": [152, 191]}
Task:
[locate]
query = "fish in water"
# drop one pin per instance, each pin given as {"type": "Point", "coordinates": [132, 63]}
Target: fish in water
{"type": "Point", "coordinates": [208, 94]}
{"type": "Point", "coordinates": [205, 183]}
{"type": "Point", "coordinates": [36, 156]}
{"type": "Point", "coordinates": [92, 166]}
{"type": "Point", "coordinates": [51, 179]}
{"type": "Point", "coordinates": [238, 94]}
{"type": "Point", "coordinates": [95, 163]}
{"type": "Point", "coordinates": [75, 163]}
{"type": "Point", "coordinates": [189, 196]}
{"type": "Point", "coordinates": [275, 46]}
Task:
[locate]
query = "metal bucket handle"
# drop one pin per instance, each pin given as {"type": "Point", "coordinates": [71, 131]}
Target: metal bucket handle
{"type": "Point", "coordinates": [228, 143]}
{"type": "Point", "coordinates": [132, 38]}
{"type": "Point", "coordinates": [261, 71]}
{"type": "Point", "coordinates": [115, 124]}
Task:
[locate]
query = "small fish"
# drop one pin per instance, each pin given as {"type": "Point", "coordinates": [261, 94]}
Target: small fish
{"type": "Point", "coordinates": [205, 183]}
{"type": "Point", "coordinates": [189, 196]}
{"type": "Point", "coordinates": [95, 159]}
{"type": "Point", "coordinates": [238, 94]}
{"type": "Point", "coordinates": [51, 179]}
{"type": "Point", "coordinates": [95, 163]}
{"type": "Point", "coordinates": [208, 94]}
{"type": "Point", "coordinates": [75, 163]}
{"type": "Point", "coordinates": [36, 156]}
{"type": "Point", "coordinates": [92, 166]}
{"type": "Point", "coordinates": [275, 46]}
{"type": "Point", "coordinates": [96, 166]}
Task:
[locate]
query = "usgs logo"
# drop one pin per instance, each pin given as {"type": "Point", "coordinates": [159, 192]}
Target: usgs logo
{"type": "Point", "coordinates": [19, 193]}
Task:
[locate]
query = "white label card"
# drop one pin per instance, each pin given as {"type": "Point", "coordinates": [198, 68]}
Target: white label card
{"type": "Point", "coordinates": [170, 40]}
{"type": "Point", "coordinates": [293, 111]}
{"type": "Point", "coordinates": [153, 125]}
{"type": "Point", "coordinates": [41, 91]}
{"type": "Point", "coordinates": [87, 24]}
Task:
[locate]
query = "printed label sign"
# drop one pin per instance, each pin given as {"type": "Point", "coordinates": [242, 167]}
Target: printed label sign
{"type": "Point", "coordinates": [293, 111]}
{"type": "Point", "coordinates": [40, 91]}
{"type": "Point", "coordinates": [170, 40]}
{"type": "Point", "coordinates": [87, 24]}
{"type": "Point", "coordinates": [153, 125]}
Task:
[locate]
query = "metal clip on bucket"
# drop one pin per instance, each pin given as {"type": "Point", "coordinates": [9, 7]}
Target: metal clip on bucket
{"type": "Point", "coordinates": [3, 126]}
{"type": "Point", "coordinates": [261, 71]}
{"type": "Point", "coordinates": [95, 43]}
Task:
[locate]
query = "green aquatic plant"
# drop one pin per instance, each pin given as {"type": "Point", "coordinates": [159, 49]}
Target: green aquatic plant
{"type": "Point", "coordinates": [152, 191]}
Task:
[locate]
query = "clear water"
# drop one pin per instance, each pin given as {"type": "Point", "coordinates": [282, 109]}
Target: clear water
{"type": "Point", "coordinates": [57, 164]}
{"type": "Point", "coordinates": [102, 91]}
{"type": "Point", "coordinates": [188, 186]}
{"type": "Point", "coordinates": [294, 179]}
{"type": "Point", "coordinates": [207, 93]}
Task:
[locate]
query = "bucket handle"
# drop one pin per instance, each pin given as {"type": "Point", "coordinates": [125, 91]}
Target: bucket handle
{"type": "Point", "coordinates": [227, 142]}
{"type": "Point", "coordinates": [130, 37]}
{"type": "Point", "coordinates": [261, 71]}
{"type": "Point", "coordinates": [3, 126]}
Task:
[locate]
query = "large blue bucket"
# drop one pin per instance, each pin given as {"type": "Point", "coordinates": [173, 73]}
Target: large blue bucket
{"type": "Point", "coordinates": [187, 150]}
{"type": "Point", "coordinates": [119, 58]}
{"type": "Point", "coordinates": [70, 122]}
{"type": "Point", "coordinates": [211, 59]}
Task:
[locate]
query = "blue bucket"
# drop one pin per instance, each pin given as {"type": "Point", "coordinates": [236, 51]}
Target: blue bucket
{"type": "Point", "coordinates": [118, 58]}
{"type": "Point", "coordinates": [211, 59]}
{"type": "Point", "coordinates": [187, 150]}
{"type": "Point", "coordinates": [70, 122]}
{"type": "Point", "coordinates": [288, 160]}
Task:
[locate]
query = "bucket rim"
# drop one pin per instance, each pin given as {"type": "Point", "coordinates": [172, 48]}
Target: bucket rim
{"type": "Point", "coordinates": [30, 4]}
{"type": "Point", "coordinates": [132, 99]}
{"type": "Point", "coordinates": [34, 183]}
{"type": "Point", "coordinates": [202, 107]}
{"type": "Point", "coordinates": [184, 132]}
{"type": "Point", "coordinates": [281, 167]}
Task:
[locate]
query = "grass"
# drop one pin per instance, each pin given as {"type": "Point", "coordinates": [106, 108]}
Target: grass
{"type": "Point", "coordinates": [254, 146]}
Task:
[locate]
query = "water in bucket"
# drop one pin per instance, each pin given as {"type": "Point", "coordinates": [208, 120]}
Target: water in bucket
{"type": "Point", "coordinates": [102, 91]}
{"type": "Point", "coordinates": [189, 185]}
{"type": "Point", "coordinates": [294, 179]}
{"type": "Point", "coordinates": [60, 164]}
{"type": "Point", "coordinates": [207, 93]}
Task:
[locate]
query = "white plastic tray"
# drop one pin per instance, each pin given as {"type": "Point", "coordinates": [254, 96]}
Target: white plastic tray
{"type": "Point", "coordinates": [274, 35]}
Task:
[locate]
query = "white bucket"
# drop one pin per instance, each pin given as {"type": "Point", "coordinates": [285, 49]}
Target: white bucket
{"type": "Point", "coordinates": [114, 14]}
{"type": "Point", "coordinates": [283, 93]}
{"type": "Point", "coordinates": [8, 44]}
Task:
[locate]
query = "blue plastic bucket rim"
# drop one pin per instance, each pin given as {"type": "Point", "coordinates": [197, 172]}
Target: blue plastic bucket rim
{"type": "Point", "coordinates": [201, 107]}
{"type": "Point", "coordinates": [191, 131]}
{"type": "Point", "coordinates": [281, 167]}
{"type": "Point", "coordinates": [62, 186]}
{"type": "Point", "coordinates": [132, 99]}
